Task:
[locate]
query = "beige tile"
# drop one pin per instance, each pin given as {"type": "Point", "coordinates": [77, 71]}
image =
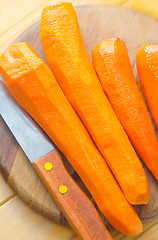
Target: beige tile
{"type": "Point", "coordinates": [19, 222]}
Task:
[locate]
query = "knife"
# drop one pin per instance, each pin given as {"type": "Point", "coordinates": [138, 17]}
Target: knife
{"type": "Point", "coordinates": [47, 162]}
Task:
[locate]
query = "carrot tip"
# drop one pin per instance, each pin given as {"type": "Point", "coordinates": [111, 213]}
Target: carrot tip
{"type": "Point", "coordinates": [141, 199]}
{"type": "Point", "coordinates": [136, 230]}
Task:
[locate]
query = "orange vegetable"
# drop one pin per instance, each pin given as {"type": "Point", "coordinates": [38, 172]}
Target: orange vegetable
{"type": "Point", "coordinates": [67, 57]}
{"type": "Point", "coordinates": [35, 88]}
{"type": "Point", "coordinates": [112, 64]}
{"type": "Point", "coordinates": [147, 66]}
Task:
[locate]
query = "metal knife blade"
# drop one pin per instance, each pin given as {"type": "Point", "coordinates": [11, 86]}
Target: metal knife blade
{"type": "Point", "coordinates": [32, 139]}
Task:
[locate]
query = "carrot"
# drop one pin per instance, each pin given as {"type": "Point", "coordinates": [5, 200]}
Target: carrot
{"type": "Point", "coordinates": [147, 66]}
{"type": "Point", "coordinates": [35, 88]}
{"type": "Point", "coordinates": [112, 65]}
{"type": "Point", "coordinates": [69, 61]}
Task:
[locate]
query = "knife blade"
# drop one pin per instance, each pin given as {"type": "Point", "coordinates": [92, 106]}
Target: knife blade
{"type": "Point", "coordinates": [46, 160]}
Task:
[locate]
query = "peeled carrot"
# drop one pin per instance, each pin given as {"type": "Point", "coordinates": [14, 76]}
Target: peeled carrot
{"type": "Point", "coordinates": [67, 57]}
{"type": "Point", "coordinates": [147, 66]}
{"type": "Point", "coordinates": [35, 88]}
{"type": "Point", "coordinates": [112, 65]}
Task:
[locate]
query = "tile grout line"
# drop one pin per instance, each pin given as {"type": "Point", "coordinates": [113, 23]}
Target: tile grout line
{"type": "Point", "coordinates": [7, 199]}
{"type": "Point", "coordinates": [26, 16]}
{"type": "Point", "coordinates": [126, 2]}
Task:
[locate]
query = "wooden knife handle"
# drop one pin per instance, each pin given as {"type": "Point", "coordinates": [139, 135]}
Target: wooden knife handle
{"type": "Point", "coordinates": [73, 202]}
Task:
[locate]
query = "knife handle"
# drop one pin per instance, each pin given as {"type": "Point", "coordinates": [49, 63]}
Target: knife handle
{"type": "Point", "coordinates": [73, 202]}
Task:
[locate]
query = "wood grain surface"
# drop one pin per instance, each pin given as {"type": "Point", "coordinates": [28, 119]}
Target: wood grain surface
{"type": "Point", "coordinates": [122, 23]}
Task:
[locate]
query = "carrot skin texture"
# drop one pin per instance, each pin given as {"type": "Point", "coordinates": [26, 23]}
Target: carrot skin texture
{"type": "Point", "coordinates": [112, 65]}
{"type": "Point", "coordinates": [147, 67]}
{"type": "Point", "coordinates": [68, 59]}
{"type": "Point", "coordinates": [35, 88]}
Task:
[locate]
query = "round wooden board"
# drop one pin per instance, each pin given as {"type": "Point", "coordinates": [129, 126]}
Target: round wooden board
{"type": "Point", "coordinates": [96, 23]}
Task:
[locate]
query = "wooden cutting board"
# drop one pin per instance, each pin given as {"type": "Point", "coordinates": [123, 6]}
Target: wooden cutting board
{"type": "Point", "coordinates": [96, 23]}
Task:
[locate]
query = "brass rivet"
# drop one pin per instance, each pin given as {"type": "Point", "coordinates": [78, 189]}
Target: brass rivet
{"type": "Point", "coordinates": [48, 166]}
{"type": "Point", "coordinates": [63, 189]}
